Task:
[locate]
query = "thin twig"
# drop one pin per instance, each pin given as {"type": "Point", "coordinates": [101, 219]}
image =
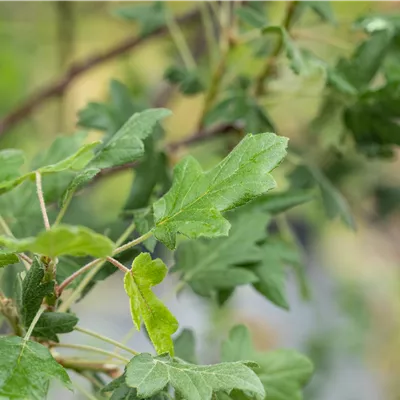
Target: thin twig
{"type": "Point", "coordinates": [25, 258]}
{"type": "Point", "coordinates": [72, 277]}
{"type": "Point", "coordinates": [59, 86]}
{"type": "Point", "coordinates": [39, 190]}
{"type": "Point", "coordinates": [105, 339]}
{"type": "Point", "coordinates": [132, 243]}
{"type": "Point", "coordinates": [5, 227]}
{"type": "Point", "coordinates": [117, 264]}
{"type": "Point", "coordinates": [78, 365]}
{"type": "Point", "coordinates": [92, 349]}
{"type": "Point", "coordinates": [33, 323]}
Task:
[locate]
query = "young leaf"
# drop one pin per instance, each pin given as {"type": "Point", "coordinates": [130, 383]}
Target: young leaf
{"type": "Point", "coordinates": [26, 369]}
{"type": "Point", "coordinates": [292, 52]}
{"type": "Point", "coordinates": [271, 274]}
{"type": "Point", "coordinates": [194, 204]}
{"type": "Point", "coordinates": [282, 372]}
{"type": "Point", "coordinates": [185, 346]}
{"type": "Point", "coordinates": [63, 240]}
{"type": "Point", "coordinates": [159, 321]}
{"type": "Point", "coordinates": [10, 160]}
{"type": "Point", "coordinates": [150, 16]}
{"type": "Point", "coordinates": [34, 290]}
{"type": "Point", "coordinates": [7, 258]}
{"type": "Point", "coordinates": [150, 375]}
{"type": "Point", "coordinates": [127, 144]}
{"type": "Point", "coordinates": [209, 265]}
{"type": "Point", "coordinates": [52, 323]}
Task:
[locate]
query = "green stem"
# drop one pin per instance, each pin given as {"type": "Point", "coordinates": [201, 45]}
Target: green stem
{"type": "Point", "coordinates": [63, 210]}
{"type": "Point", "coordinates": [180, 41]}
{"type": "Point", "coordinates": [105, 339]}
{"type": "Point", "coordinates": [270, 63]}
{"type": "Point", "coordinates": [91, 349]}
{"type": "Point", "coordinates": [117, 264]}
{"type": "Point", "coordinates": [208, 29]}
{"type": "Point", "coordinates": [4, 226]}
{"type": "Point", "coordinates": [87, 279]}
{"type": "Point", "coordinates": [133, 243]}
{"type": "Point", "coordinates": [33, 323]}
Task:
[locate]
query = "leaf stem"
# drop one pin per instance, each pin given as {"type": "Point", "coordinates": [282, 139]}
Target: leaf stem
{"type": "Point", "coordinates": [25, 258]}
{"type": "Point", "coordinates": [33, 323]}
{"type": "Point", "coordinates": [63, 210]}
{"type": "Point", "coordinates": [180, 41]}
{"type": "Point", "coordinates": [270, 63]}
{"type": "Point", "coordinates": [105, 339]}
{"type": "Point", "coordinates": [133, 243]}
{"type": "Point", "coordinates": [208, 29]}
{"type": "Point", "coordinates": [84, 391]}
{"type": "Point", "coordinates": [72, 277]}
{"type": "Point", "coordinates": [86, 280]}
{"type": "Point", "coordinates": [117, 264]}
{"type": "Point", "coordinates": [93, 349]}
{"type": "Point", "coordinates": [5, 227]}
{"type": "Point", "coordinates": [78, 364]}
{"type": "Point", "coordinates": [39, 190]}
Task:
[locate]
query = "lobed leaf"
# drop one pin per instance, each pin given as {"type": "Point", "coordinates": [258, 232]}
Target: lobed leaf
{"type": "Point", "coordinates": [160, 323]}
{"type": "Point", "coordinates": [196, 199]}
{"type": "Point", "coordinates": [282, 372]}
{"type": "Point", "coordinates": [149, 375]}
{"type": "Point", "coordinates": [26, 369]}
{"type": "Point", "coordinates": [209, 266]}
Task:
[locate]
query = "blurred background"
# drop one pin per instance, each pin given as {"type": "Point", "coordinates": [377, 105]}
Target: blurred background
{"type": "Point", "coordinates": [350, 326]}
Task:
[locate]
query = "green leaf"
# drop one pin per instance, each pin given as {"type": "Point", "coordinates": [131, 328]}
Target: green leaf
{"type": "Point", "coordinates": [282, 372]}
{"type": "Point", "coordinates": [10, 160]}
{"type": "Point", "coordinates": [189, 81]}
{"type": "Point", "coordinates": [74, 162]}
{"type": "Point", "coordinates": [251, 17]}
{"type": "Point", "coordinates": [26, 370]}
{"type": "Point", "coordinates": [275, 203]}
{"type": "Point", "coordinates": [363, 65]}
{"type": "Point", "coordinates": [185, 346]}
{"type": "Point", "coordinates": [150, 172]}
{"type": "Point", "coordinates": [79, 181]}
{"type": "Point", "coordinates": [373, 120]}
{"type": "Point", "coordinates": [150, 375]}
{"type": "Point", "coordinates": [34, 290]}
{"type": "Point", "coordinates": [63, 240]}
{"type": "Point", "coordinates": [271, 275]}
{"type": "Point", "coordinates": [293, 54]}
{"type": "Point", "coordinates": [194, 204]}
{"type": "Point", "coordinates": [160, 323]}
{"type": "Point", "coordinates": [210, 265]}
{"type": "Point", "coordinates": [52, 323]}
{"type": "Point", "coordinates": [334, 202]}
{"type": "Point", "coordinates": [7, 258]}
{"type": "Point", "coordinates": [127, 144]}
{"type": "Point", "coordinates": [150, 16]}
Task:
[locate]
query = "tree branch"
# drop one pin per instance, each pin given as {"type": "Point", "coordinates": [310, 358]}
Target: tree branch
{"type": "Point", "coordinates": [59, 86]}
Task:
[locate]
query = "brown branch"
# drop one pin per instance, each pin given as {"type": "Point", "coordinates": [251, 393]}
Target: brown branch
{"type": "Point", "coordinates": [59, 86]}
